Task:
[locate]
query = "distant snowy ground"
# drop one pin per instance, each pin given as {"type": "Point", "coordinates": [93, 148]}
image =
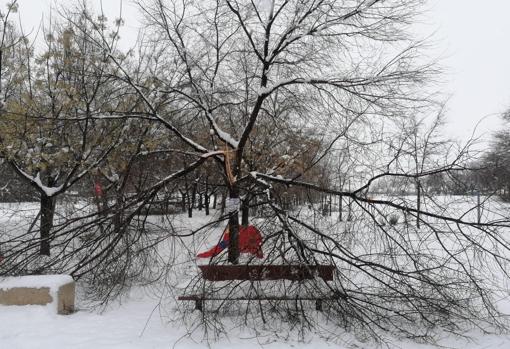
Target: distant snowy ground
{"type": "Point", "coordinates": [138, 322]}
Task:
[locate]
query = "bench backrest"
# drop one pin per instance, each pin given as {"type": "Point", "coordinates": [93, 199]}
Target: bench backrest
{"type": "Point", "coordinates": [266, 272]}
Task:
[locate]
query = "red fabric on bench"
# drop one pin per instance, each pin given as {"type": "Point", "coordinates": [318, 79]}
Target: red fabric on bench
{"type": "Point", "coordinates": [250, 241]}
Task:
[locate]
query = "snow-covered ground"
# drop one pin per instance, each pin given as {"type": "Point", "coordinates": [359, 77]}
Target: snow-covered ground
{"type": "Point", "coordinates": [139, 321]}
{"type": "Point", "coordinates": [138, 324]}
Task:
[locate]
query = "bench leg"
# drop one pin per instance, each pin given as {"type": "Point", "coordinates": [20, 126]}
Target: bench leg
{"type": "Point", "coordinates": [199, 304]}
{"type": "Point", "coordinates": [318, 305]}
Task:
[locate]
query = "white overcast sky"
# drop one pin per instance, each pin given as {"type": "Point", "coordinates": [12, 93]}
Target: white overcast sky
{"type": "Point", "coordinates": [471, 37]}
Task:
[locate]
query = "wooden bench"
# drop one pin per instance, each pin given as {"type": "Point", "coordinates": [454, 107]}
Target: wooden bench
{"type": "Point", "coordinates": [263, 273]}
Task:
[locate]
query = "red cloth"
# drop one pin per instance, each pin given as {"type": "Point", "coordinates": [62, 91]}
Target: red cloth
{"type": "Point", "coordinates": [250, 241]}
{"type": "Point", "coordinates": [98, 189]}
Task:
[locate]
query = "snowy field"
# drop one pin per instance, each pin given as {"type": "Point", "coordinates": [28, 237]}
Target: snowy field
{"type": "Point", "coordinates": [138, 324]}
{"type": "Point", "coordinates": [140, 320]}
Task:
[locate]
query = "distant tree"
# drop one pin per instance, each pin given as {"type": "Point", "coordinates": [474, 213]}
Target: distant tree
{"type": "Point", "coordinates": [14, 55]}
{"type": "Point", "coordinates": [15, 60]}
{"type": "Point", "coordinates": [52, 135]}
{"type": "Point", "coordinates": [494, 168]}
{"type": "Point", "coordinates": [422, 152]}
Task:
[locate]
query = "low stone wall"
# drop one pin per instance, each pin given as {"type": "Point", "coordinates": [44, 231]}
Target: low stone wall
{"type": "Point", "coordinates": [39, 290]}
{"type": "Point", "coordinates": [65, 300]}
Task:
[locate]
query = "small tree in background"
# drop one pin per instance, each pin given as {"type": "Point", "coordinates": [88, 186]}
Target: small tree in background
{"type": "Point", "coordinates": [494, 169]}
{"type": "Point", "coordinates": [51, 133]}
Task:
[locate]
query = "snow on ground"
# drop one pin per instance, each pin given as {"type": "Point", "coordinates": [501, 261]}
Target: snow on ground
{"type": "Point", "coordinates": [138, 322]}
{"type": "Point", "coordinates": [135, 324]}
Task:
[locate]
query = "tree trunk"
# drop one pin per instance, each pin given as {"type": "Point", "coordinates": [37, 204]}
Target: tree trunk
{"type": "Point", "coordinates": [324, 205]}
{"type": "Point", "coordinates": [207, 197]}
{"type": "Point", "coordinates": [349, 210]}
{"type": "Point", "coordinates": [215, 200]}
{"type": "Point", "coordinates": [200, 201]}
{"type": "Point", "coordinates": [183, 201]}
{"type": "Point", "coordinates": [245, 212]}
{"type": "Point", "coordinates": [47, 213]}
{"type": "Point", "coordinates": [340, 201]}
{"type": "Point", "coordinates": [233, 226]}
{"type": "Point", "coordinates": [418, 203]}
{"type": "Point", "coordinates": [222, 207]}
{"type": "Point", "coordinates": [194, 194]}
{"type": "Point", "coordinates": [119, 210]}
{"type": "Point", "coordinates": [191, 199]}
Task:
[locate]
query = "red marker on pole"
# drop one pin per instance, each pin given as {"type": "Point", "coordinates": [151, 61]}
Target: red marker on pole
{"type": "Point", "coordinates": [98, 189]}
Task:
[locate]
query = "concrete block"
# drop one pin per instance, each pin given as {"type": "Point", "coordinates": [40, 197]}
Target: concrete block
{"type": "Point", "coordinates": [39, 290]}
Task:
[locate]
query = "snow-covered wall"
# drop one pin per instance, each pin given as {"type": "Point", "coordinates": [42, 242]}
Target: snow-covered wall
{"type": "Point", "coordinates": [54, 291]}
